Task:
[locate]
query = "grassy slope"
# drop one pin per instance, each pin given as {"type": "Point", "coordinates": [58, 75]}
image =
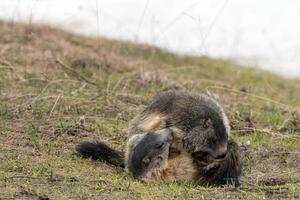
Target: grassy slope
{"type": "Point", "coordinates": [41, 103]}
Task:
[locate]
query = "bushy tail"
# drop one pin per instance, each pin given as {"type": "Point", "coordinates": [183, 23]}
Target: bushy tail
{"type": "Point", "coordinates": [100, 151]}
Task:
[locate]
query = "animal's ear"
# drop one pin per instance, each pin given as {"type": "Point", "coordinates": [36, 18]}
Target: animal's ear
{"type": "Point", "coordinates": [146, 161]}
{"type": "Point", "coordinates": [206, 123]}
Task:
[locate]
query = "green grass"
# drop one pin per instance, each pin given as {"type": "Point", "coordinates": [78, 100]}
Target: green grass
{"type": "Point", "coordinates": [109, 82]}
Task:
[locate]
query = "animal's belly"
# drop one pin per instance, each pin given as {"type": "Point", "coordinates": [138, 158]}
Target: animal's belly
{"type": "Point", "coordinates": [179, 168]}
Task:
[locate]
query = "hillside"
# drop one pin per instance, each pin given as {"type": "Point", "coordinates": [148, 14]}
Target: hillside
{"type": "Point", "coordinates": [49, 79]}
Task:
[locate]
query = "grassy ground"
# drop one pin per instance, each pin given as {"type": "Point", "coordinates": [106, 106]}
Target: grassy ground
{"type": "Point", "coordinates": [49, 79]}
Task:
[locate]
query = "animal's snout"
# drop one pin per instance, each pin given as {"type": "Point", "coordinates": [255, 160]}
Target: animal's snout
{"type": "Point", "coordinates": [220, 152]}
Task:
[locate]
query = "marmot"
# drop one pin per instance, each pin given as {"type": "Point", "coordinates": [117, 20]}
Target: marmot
{"type": "Point", "coordinates": [198, 121]}
{"type": "Point", "coordinates": [158, 157]}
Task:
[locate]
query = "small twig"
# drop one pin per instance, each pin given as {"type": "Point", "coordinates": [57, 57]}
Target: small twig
{"type": "Point", "coordinates": [65, 67]}
{"type": "Point", "coordinates": [108, 87]}
{"type": "Point", "coordinates": [79, 89]}
{"type": "Point", "coordinates": [55, 104]}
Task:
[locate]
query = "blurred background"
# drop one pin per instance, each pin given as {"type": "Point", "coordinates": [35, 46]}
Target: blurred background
{"type": "Point", "coordinates": [256, 33]}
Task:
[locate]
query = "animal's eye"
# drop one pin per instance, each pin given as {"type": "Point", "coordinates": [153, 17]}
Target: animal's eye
{"type": "Point", "coordinates": [146, 161]}
{"type": "Point", "coordinates": [213, 141]}
{"type": "Point", "coordinates": [161, 145]}
{"type": "Point", "coordinates": [206, 123]}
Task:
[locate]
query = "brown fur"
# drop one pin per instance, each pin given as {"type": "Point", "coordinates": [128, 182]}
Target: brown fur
{"type": "Point", "coordinates": [177, 168]}
{"type": "Point", "coordinates": [183, 167]}
{"type": "Point", "coordinates": [154, 121]}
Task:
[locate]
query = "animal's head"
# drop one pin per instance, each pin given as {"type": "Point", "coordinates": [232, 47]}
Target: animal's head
{"type": "Point", "coordinates": [200, 117]}
{"type": "Point", "coordinates": [148, 151]}
{"type": "Point", "coordinates": [209, 137]}
{"type": "Point", "coordinates": [207, 127]}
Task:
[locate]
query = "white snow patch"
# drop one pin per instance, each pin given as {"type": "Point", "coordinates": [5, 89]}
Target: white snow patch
{"type": "Point", "coordinates": [261, 33]}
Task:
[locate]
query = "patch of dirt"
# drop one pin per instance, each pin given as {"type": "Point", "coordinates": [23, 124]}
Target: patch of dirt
{"type": "Point", "coordinates": [279, 194]}
{"type": "Point", "coordinates": [273, 181]}
{"type": "Point", "coordinates": [22, 192]}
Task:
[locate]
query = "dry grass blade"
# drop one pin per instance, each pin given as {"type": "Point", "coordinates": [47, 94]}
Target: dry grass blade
{"type": "Point", "coordinates": [74, 72]}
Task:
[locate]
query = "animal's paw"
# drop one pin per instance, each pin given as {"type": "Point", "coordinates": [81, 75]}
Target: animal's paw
{"type": "Point", "coordinates": [211, 168]}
